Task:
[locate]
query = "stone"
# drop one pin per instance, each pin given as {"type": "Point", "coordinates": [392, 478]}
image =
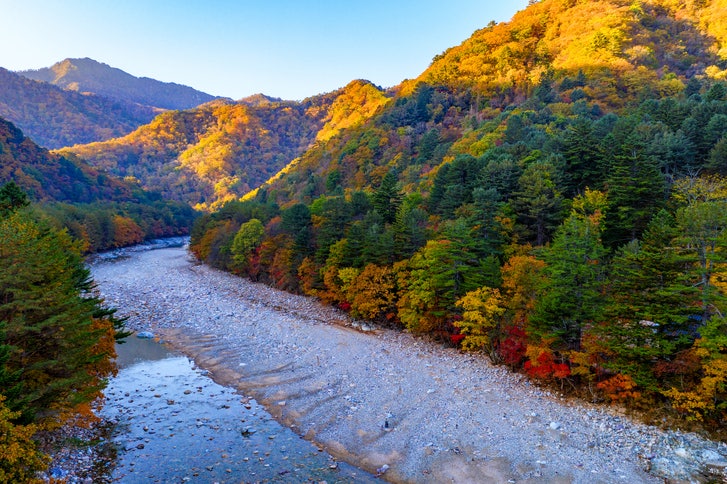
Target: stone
{"type": "Point", "coordinates": [145, 335]}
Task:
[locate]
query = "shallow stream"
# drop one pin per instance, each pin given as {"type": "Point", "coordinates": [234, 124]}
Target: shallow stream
{"type": "Point", "coordinates": [175, 424]}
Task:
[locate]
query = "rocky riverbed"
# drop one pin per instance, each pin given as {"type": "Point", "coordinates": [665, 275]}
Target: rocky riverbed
{"type": "Point", "coordinates": [386, 401]}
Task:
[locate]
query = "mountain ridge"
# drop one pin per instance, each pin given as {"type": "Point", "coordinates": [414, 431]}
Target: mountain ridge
{"type": "Point", "coordinates": [222, 149]}
{"type": "Point", "coordinates": [87, 75]}
{"type": "Point", "coordinates": [54, 117]}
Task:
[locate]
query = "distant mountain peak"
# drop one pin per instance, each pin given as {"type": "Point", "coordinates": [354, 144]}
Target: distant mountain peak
{"type": "Point", "coordinates": [259, 99]}
{"type": "Point", "coordinates": [87, 75]}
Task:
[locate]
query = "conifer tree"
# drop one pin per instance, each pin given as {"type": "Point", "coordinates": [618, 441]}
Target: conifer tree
{"type": "Point", "coordinates": [575, 272]}
{"type": "Point", "coordinates": [53, 324]}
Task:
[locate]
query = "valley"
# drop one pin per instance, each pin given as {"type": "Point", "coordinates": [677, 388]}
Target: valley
{"type": "Point", "coordinates": [477, 274]}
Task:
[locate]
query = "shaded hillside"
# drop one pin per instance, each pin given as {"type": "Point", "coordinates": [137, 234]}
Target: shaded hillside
{"type": "Point", "coordinates": [50, 177]}
{"type": "Point", "coordinates": [89, 76]}
{"type": "Point", "coordinates": [100, 210]}
{"type": "Point", "coordinates": [221, 150]}
{"type": "Point", "coordinates": [552, 192]}
{"type": "Point", "coordinates": [55, 117]}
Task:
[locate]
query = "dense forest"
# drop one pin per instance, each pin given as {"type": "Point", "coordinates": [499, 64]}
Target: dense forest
{"type": "Point", "coordinates": [99, 210]}
{"type": "Point", "coordinates": [56, 336]}
{"type": "Point", "coordinates": [551, 192]}
{"type": "Point", "coordinates": [221, 150]}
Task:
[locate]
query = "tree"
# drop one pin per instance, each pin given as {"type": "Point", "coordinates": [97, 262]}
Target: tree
{"type": "Point", "coordinates": [372, 293]}
{"type": "Point", "coordinates": [20, 459]}
{"type": "Point", "coordinates": [583, 157]}
{"type": "Point", "coordinates": [537, 202]}
{"type": "Point", "coordinates": [12, 198]}
{"type": "Point", "coordinates": [437, 275]}
{"type": "Point", "coordinates": [481, 320]}
{"type": "Point", "coordinates": [575, 276]}
{"type": "Point", "coordinates": [636, 191]}
{"type": "Point", "coordinates": [247, 238]}
{"type": "Point", "coordinates": [387, 198]}
{"type": "Point", "coordinates": [297, 222]}
{"type": "Point", "coordinates": [54, 325]}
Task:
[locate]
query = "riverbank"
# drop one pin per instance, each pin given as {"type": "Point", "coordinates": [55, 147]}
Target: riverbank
{"type": "Point", "coordinates": [385, 400]}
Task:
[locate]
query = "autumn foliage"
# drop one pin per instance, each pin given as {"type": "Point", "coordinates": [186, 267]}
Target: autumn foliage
{"type": "Point", "coordinates": [56, 336]}
{"type": "Point", "coordinates": [550, 193]}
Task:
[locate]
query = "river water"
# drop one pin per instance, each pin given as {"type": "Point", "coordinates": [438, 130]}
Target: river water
{"type": "Point", "coordinates": [175, 424]}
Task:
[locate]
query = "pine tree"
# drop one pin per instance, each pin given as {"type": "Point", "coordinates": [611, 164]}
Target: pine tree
{"type": "Point", "coordinates": [387, 198]}
{"type": "Point", "coordinates": [575, 276]}
{"type": "Point", "coordinates": [54, 326]}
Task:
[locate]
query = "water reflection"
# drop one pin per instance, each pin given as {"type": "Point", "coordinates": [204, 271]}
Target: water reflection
{"type": "Point", "coordinates": [174, 424]}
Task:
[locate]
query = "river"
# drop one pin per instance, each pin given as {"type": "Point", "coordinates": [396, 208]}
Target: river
{"type": "Point", "coordinates": [173, 423]}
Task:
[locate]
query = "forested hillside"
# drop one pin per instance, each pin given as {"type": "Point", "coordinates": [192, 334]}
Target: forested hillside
{"type": "Point", "coordinates": [551, 192]}
{"type": "Point", "coordinates": [56, 336]}
{"type": "Point", "coordinates": [98, 209]}
{"type": "Point", "coordinates": [90, 76]}
{"type": "Point", "coordinates": [222, 150]}
{"type": "Point", "coordinates": [55, 117]}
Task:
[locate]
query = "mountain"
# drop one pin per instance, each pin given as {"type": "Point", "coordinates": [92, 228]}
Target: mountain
{"type": "Point", "coordinates": [89, 76]}
{"type": "Point", "coordinates": [51, 177]}
{"type": "Point", "coordinates": [55, 117]}
{"type": "Point", "coordinates": [551, 192]}
{"type": "Point", "coordinates": [603, 56]}
{"type": "Point", "coordinates": [219, 151]}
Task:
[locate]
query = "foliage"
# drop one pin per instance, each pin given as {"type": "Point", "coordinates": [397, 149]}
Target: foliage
{"type": "Point", "coordinates": [372, 293]}
{"type": "Point", "coordinates": [483, 309]}
{"type": "Point", "coordinates": [248, 237]}
{"type": "Point", "coordinates": [53, 326]}
{"type": "Point", "coordinates": [20, 459]}
{"type": "Point", "coordinates": [221, 150]}
{"type": "Point", "coordinates": [549, 192]}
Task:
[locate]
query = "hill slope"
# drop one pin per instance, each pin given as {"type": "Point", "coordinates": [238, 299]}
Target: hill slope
{"type": "Point", "coordinates": [55, 117]}
{"type": "Point", "coordinates": [89, 76]}
{"type": "Point", "coordinates": [603, 56]}
{"type": "Point", "coordinates": [221, 150]}
{"type": "Point", "coordinates": [551, 192]}
{"type": "Point", "coordinates": [51, 177]}
{"type": "Point", "coordinates": [98, 209]}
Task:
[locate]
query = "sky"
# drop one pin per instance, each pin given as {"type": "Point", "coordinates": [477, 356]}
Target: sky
{"type": "Point", "coordinates": [290, 49]}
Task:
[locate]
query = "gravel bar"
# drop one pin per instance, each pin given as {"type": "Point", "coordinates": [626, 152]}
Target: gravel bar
{"type": "Point", "coordinates": [386, 401]}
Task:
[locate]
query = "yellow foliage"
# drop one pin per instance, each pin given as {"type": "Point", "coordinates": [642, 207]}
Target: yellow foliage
{"type": "Point", "coordinates": [372, 292]}
{"type": "Point", "coordinates": [19, 456]}
{"type": "Point", "coordinates": [483, 310]}
{"type": "Point", "coordinates": [358, 101]}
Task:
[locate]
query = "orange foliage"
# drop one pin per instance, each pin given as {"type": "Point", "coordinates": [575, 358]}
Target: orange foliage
{"type": "Point", "coordinates": [619, 387]}
{"type": "Point", "coordinates": [126, 231]}
{"type": "Point", "coordinates": [373, 292]}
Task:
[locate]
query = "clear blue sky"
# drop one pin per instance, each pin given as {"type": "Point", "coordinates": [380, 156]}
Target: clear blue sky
{"type": "Point", "coordinates": [285, 48]}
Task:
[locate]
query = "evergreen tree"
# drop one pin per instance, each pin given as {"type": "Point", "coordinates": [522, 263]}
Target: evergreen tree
{"type": "Point", "coordinates": [56, 330]}
{"type": "Point", "coordinates": [636, 191]}
{"type": "Point", "coordinates": [583, 157]}
{"type": "Point", "coordinates": [575, 277]}
{"type": "Point", "coordinates": [537, 203]}
{"type": "Point", "coordinates": [387, 198]}
{"type": "Point", "coordinates": [12, 198]}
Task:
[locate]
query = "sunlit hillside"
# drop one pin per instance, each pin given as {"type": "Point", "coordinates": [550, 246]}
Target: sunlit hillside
{"type": "Point", "coordinates": [223, 149]}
